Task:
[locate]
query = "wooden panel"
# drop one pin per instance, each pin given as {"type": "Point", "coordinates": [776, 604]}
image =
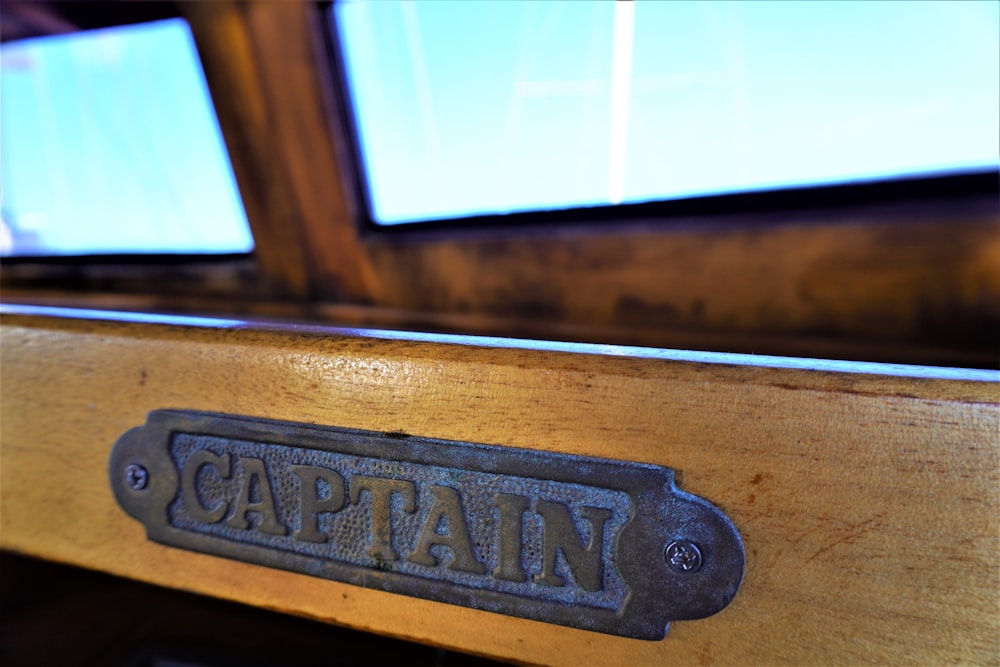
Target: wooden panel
{"type": "Point", "coordinates": [867, 502]}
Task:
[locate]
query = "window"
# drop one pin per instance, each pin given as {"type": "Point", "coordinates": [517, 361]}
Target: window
{"type": "Point", "coordinates": [110, 145]}
{"type": "Point", "coordinates": [896, 270]}
{"type": "Point", "coordinates": [490, 107]}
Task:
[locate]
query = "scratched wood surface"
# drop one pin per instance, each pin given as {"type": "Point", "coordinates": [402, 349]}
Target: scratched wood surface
{"type": "Point", "coordinates": [868, 503]}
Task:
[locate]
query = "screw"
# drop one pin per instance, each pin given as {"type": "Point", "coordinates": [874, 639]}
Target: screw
{"type": "Point", "coordinates": [683, 555]}
{"type": "Point", "coordinates": [136, 476]}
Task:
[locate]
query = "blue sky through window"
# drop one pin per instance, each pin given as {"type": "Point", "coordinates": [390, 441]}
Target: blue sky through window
{"type": "Point", "coordinates": [468, 108]}
{"type": "Point", "coordinates": [109, 144]}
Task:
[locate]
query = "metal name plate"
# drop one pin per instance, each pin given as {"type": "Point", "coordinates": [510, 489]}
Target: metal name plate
{"type": "Point", "coordinates": [596, 544]}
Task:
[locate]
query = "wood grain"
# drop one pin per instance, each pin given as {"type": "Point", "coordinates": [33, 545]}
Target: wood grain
{"type": "Point", "coordinates": [868, 503]}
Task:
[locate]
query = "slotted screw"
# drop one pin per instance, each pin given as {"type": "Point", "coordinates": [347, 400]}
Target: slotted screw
{"type": "Point", "coordinates": [683, 555]}
{"type": "Point", "coordinates": [136, 476]}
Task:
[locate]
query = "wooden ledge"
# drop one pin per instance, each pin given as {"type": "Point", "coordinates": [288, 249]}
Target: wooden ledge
{"type": "Point", "coordinates": [865, 495]}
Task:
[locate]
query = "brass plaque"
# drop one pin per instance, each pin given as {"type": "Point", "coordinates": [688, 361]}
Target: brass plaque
{"type": "Point", "coordinates": [595, 544]}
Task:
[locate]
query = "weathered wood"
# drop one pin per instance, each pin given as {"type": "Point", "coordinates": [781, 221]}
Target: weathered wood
{"type": "Point", "coordinates": [915, 282]}
{"type": "Point", "coordinates": [867, 502]}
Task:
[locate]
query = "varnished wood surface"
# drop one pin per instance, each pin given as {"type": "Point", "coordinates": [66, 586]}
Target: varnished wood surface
{"type": "Point", "coordinates": [230, 60]}
{"type": "Point", "coordinates": [285, 161]}
{"type": "Point", "coordinates": [868, 502]}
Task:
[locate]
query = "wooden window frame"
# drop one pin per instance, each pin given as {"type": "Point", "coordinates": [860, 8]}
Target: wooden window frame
{"type": "Point", "coordinates": [907, 280]}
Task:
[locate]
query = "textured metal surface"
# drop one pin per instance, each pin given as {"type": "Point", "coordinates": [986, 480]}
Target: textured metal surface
{"type": "Point", "coordinates": [596, 544]}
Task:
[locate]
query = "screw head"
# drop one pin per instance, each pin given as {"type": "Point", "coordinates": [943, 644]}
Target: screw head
{"type": "Point", "coordinates": [136, 476]}
{"type": "Point", "coordinates": [683, 555]}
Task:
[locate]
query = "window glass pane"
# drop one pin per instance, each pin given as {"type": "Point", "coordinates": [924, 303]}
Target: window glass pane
{"type": "Point", "coordinates": [110, 145]}
{"type": "Point", "coordinates": [467, 108]}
